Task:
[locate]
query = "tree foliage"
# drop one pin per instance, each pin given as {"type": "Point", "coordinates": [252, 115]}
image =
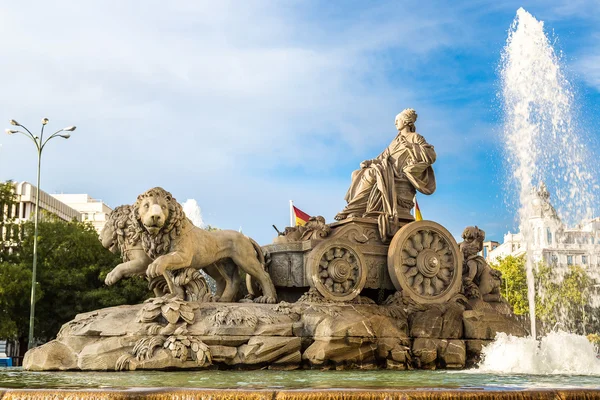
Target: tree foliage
{"type": "Point", "coordinates": [514, 282]}
{"type": "Point", "coordinates": [562, 300]}
{"type": "Point", "coordinates": [7, 201]}
{"type": "Point", "coordinates": [71, 268]}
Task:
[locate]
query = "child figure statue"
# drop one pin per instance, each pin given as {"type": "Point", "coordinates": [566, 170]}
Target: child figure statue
{"type": "Point", "coordinates": [480, 281]}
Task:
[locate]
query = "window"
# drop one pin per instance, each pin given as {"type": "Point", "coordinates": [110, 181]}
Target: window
{"type": "Point", "coordinates": [549, 236]}
{"type": "Point", "coordinates": [569, 260]}
{"type": "Point", "coordinates": [584, 260]}
{"type": "Point", "coordinates": [554, 259]}
{"type": "Point", "coordinates": [485, 252]}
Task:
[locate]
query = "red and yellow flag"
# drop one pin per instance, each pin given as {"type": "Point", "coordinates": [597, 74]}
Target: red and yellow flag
{"type": "Point", "coordinates": [418, 216]}
{"type": "Point", "coordinates": [301, 216]}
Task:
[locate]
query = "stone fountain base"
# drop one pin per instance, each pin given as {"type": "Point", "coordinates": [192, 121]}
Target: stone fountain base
{"type": "Point", "coordinates": [399, 335]}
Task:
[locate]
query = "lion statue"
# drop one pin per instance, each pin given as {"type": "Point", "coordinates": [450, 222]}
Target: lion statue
{"type": "Point", "coordinates": [174, 242]}
{"type": "Point", "coordinates": [122, 234]}
{"type": "Point", "coordinates": [479, 279]}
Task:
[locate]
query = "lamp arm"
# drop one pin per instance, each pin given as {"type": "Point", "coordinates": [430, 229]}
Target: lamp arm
{"type": "Point", "coordinates": [30, 137]}
{"type": "Point", "coordinates": [50, 137]}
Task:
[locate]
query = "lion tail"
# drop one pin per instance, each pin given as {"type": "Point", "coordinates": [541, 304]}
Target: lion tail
{"type": "Point", "coordinates": [259, 251]}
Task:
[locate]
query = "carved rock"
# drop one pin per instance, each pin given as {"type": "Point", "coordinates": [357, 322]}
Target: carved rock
{"type": "Point", "coordinates": [434, 353]}
{"type": "Point", "coordinates": [474, 348]}
{"type": "Point", "coordinates": [52, 356]}
{"type": "Point", "coordinates": [438, 321]}
{"type": "Point", "coordinates": [486, 323]}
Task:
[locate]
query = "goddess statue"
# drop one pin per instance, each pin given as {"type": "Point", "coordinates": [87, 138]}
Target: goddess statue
{"type": "Point", "coordinates": [384, 187]}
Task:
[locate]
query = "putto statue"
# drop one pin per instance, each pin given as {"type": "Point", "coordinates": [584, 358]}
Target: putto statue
{"type": "Point", "coordinates": [384, 187]}
{"type": "Point", "coordinates": [480, 281]}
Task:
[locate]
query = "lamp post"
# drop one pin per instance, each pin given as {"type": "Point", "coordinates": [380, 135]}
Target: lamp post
{"type": "Point", "coordinates": [40, 143]}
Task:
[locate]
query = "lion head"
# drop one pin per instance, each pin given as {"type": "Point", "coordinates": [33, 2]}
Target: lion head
{"type": "Point", "coordinates": [121, 231]}
{"type": "Point", "coordinates": [162, 217]}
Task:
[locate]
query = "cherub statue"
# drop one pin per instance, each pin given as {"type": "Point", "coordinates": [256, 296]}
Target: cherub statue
{"type": "Point", "coordinates": [479, 279]}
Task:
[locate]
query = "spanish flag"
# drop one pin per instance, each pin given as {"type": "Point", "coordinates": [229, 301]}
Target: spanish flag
{"type": "Point", "coordinates": [300, 216]}
{"type": "Point", "coordinates": [418, 216]}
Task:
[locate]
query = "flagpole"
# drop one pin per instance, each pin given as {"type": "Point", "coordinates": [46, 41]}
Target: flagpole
{"type": "Point", "coordinates": [292, 222]}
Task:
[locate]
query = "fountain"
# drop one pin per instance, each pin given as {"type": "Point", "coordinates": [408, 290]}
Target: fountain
{"type": "Point", "coordinates": [366, 296]}
{"type": "Point", "coordinates": [540, 134]}
{"type": "Point", "coordinates": [193, 212]}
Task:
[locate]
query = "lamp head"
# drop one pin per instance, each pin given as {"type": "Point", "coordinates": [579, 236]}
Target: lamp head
{"type": "Point", "coordinates": [15, 123]}
{"type": "Point", "coordinates": [10, 131]}
{"type": "Point", "coordinates": [45, 121]}
{"type": "Point", "coordinates": [65, 136]}
{"type": "Point", "coordinates": [69, 128]}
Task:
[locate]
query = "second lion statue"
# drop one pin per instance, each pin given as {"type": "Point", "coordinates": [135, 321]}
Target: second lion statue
{"type": "Point", "coordinates": [174, 242]}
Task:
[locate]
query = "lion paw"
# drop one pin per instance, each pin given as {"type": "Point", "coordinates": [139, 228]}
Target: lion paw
{"type": "Point", "coordinates": [155, 270]}
{"type": "Point", "coordinates": [265, 300]}
{"type": "Point", "coordinates": [112, 278]}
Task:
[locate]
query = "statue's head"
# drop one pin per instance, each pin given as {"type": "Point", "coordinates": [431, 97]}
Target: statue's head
{"type": "Point", "coordinates": [406, 118]}
{"type": "Point", "coordinates": [473, 239]}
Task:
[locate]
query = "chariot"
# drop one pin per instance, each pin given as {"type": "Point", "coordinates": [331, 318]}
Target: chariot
{"type": "Point", "coordinates": [422, 260]}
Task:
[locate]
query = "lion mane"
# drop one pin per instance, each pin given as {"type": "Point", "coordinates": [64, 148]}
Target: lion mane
{"type": "Point", "coordinates": [126, 230]}
{"type": "Point", "coordinates": [160, 244]}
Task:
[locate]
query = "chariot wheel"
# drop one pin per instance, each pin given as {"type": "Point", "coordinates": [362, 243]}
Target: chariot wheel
{"type": "Point", "coordinates": [425, 262]}
{"type": "Point", "coordinates": [337, 269]}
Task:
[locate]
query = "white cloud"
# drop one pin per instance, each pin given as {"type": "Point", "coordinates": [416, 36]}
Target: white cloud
{"type": "Point", "coordinates": [214, 99]}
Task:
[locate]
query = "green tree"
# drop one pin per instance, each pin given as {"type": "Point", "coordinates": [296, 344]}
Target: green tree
{"type": "Point", "coordinates": [563, 299]}
{"type": "Point", "coordinates": [514, 282]}
{"type": "Point", "coordinates": [7, 226]}
{"type": "Point", "coordinates": [15, 287]}
{"type": "Point", "coordinates": [558, 299]}
{"type": "Point", "coordinates": [72, 265]}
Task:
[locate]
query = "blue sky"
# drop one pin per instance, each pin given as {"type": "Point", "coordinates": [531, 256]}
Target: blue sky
{"type": "Point", "coordinates": [243, 105]}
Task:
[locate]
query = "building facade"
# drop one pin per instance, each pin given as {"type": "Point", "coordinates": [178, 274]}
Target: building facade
{"type": "Point", "coordinates": [24, 209]}
{"type": "Point", "coordinates": [91, 210]}
{"type": "Point", "coordinates": [552, 242]}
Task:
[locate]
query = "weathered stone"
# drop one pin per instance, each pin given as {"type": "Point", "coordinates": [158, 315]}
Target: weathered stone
{"type": "Point", "coordinates": [224, 354]}
{"type": "Point", "coordinates": [391, 364]}
{"type": "Point", "coordinates": [452, 353]}
{"type": "Point", "coordinates": [425, 352]}
{"type": "Point", "coordinates": [433, 353]}
{"type": "Point", "coordinates": [473, 349]}
{"type": "Point", "coordinates": [485, 324]}
{"type": "Point", "coordinates": [427, 324]}
{"type": "Point", "coordinates": [103, 354]}
{"type": "Point", "coordinates": [261, 349]}
{"type": "Point", "coordinates": [452, 326]}
{"type": "Point", "coordinates": [53, 355]}
{"type": "Point", "coordinates": [282, 329]}
{"type": "Point", "coordinates": [340, 350]}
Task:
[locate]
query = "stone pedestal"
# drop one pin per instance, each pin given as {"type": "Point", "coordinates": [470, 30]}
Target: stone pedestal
{"type": "Point", "coordinates": [162, 334]}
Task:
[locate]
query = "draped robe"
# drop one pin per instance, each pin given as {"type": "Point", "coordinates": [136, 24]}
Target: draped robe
{"type": "Point", "coordinates": [388, 185]}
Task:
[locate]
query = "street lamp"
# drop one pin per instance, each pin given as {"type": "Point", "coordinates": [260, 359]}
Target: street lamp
{"type": "Point", "coordinates": [40, 143]}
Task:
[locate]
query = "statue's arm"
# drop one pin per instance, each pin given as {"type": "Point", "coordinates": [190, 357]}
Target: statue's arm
{"type": "Point", "coordinates": [472, 270]}
{"type": "Point", "coordinates": [425, 149]}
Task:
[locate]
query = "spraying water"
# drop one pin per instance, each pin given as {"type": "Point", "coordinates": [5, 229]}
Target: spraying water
{"type": "Point", "coordinates": [192, 211]}
{"type": "Point", "coordinates": [556, 353]}
{"type": "Point", "coordinates": [540, 136]}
